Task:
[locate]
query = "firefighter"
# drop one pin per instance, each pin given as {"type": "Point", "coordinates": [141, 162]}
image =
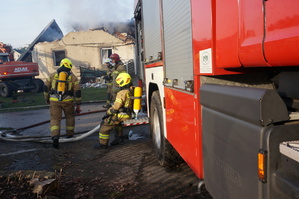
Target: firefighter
{"type": "Point", "coordinates": [108, 79]}
{"type": "Point", "coordinates": [61, 91]}
{"type": "Point", "coordinates": [118, 67]}
{"type": "Point", "coordinates": [120, 111]}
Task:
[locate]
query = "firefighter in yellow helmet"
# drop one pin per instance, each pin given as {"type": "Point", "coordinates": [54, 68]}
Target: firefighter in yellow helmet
{"type": "Point", "coordinates": [61, 91]}
{"type": "Point", "coordinates": [120, 111]}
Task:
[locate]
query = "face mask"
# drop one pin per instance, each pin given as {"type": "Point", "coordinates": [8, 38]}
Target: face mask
{"type": "Point", "coordinates": [112, 64]}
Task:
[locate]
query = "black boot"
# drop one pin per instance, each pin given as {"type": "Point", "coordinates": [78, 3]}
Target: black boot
{"type": "Point", "coordinates": [55, 142]}
{"type": "Point", "coordinates": [117, 140]}
{"type": "Point", "coordinates": [100, 146]}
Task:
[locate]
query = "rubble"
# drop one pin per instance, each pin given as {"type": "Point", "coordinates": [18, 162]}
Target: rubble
{"type": "Point", "coordinates": [93, 85]}
{"type": "Point", "coordinates": [98, 83]}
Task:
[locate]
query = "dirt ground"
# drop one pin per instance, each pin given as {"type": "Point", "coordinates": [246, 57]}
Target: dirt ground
{"type": "Point", "coordinates": [126, 171]}
{"type": "Point", "coordinates": [129, 170]}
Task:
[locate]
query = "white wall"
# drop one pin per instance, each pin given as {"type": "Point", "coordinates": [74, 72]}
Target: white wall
{"type": "Point", "coordinates": [82, 48]}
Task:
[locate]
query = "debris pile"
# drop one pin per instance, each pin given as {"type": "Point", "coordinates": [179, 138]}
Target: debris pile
{"type": "Point", "coordinates": [93, 85]}
{"type": "Point", "coordinates": [29, 184]}
{"type": "Point", "coordinates": [98, 83]}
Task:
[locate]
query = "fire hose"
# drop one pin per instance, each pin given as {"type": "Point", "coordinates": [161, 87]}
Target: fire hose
{"type": "Point", "coordinates": [47, 139]}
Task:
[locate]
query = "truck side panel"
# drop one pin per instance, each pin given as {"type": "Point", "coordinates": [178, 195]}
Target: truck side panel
{"type": "Point", "coordinates": [178, 42]}
{"type": "Point", "coordinates": [183, 128]}
{"type": "Point", "coordinates": [202, 37]}
{"type": "Point", "coordinates": [152, 29]}
{"type": "Point", "coordinates": [225, 23]}
{"type": "Point", "coordinates": [246, 33]}
{"type": "Point", "coordinates": [206, 51]}
{"type": "Point", "coordinates": [251, 34]}
{"type": "Point", "coordinates": [282, 33]}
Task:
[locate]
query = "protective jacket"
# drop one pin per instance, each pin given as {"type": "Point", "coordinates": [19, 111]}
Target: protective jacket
{"type": "Point", "coordinates": [123, 106]}
{"type": "Point", "coordinates": [119, 68]}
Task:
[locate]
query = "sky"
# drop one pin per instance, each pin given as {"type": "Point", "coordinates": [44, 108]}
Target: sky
{"type": "Point", "coordinates": [23, 20]}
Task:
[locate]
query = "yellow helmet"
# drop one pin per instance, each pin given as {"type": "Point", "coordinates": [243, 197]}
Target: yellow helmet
{"type": "Point", "coordinates": [66, 63]}
{"type": "Point", "coordinates": [123, 79]}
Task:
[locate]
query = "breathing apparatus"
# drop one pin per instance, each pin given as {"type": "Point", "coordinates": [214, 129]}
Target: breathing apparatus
{"type": "Point", "coordinates": [137, 100]}
{"type": "Point", "coordinates": [61, 84]}
{"type": "Point", "coordinates": [63, 72]}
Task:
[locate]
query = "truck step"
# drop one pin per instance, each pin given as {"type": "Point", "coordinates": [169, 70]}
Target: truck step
{"type": "Point", "coordinates": [139, 121]}
{"type": "Point", "coordinates": [290, 149]}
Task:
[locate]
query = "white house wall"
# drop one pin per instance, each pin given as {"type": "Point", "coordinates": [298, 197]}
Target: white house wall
{"type": "Point", "coordinates": [82, 48]}
{"type": "Point", "coordinates": [125, 52]}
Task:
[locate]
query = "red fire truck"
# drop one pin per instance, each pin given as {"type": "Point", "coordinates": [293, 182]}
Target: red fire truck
{"type": "Point", "coordinates": [222, 87]}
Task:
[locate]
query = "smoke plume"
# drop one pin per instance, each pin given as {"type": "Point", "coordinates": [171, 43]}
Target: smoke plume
{"type": "Point", "coordinates": [91, 14]}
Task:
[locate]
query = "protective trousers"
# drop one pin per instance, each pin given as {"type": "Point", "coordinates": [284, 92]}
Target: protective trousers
{"type": "Point", "coordinates": [109, 94]}
{"type": "Point", "coordinates": [56, 109]}
{"type": "Point", "coordinates": [105, 130]}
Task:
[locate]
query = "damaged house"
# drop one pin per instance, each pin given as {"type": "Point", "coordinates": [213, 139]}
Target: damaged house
{"type": "Point", "coordinates": [86, 49]}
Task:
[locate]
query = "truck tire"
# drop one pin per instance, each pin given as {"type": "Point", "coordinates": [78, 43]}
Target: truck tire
{"type": "Point", "coordinates": [6, 89]}
{"type": "Point", "coordinates": [38, 86]}
{"type": "Point", "coordinates": [164, 151]}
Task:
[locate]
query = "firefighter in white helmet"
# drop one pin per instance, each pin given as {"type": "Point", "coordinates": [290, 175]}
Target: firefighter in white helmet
{"type": "Point", "coordinates": [120, 111]}
{"type": "Point", "coordinates": [61, 91]}
{"type": "Point", "coordinates": [118, 67]}
{"type": "Point", "coordinates": [108, 78]}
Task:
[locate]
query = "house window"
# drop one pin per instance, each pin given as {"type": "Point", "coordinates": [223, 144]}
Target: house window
{"type": "Point", "coordinates": [58, 56]}
{"type": "Point", "coordinates": [105, 53]}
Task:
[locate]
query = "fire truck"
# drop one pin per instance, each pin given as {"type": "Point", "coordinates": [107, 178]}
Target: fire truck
{"type": "Point", "coordinates": [222, 89]}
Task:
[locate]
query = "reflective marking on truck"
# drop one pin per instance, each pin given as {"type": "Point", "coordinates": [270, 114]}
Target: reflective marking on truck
{"type": "Point", "coordinates": [228, 171]}
{"type": "Point", "coordinates": [21, 69]}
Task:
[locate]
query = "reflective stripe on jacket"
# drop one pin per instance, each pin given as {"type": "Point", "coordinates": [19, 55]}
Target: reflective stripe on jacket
{"type": "Point", "coordinates": [123, 102]}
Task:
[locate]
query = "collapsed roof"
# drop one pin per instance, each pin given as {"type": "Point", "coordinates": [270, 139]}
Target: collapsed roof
{"type": "Point", "coordinates": [50, 33]}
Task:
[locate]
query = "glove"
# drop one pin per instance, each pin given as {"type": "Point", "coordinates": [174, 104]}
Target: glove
{"type": "Point", "coordinates": [78, 110]}
{"type": "Point", "coordinates": [105, 116]}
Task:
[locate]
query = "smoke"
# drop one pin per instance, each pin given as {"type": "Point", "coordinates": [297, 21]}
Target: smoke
{"type": "Point", "coordinates": [89, 14]}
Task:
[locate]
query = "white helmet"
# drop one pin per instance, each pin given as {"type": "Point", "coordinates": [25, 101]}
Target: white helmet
{"type": "Point", "coordinates": [107, 60]}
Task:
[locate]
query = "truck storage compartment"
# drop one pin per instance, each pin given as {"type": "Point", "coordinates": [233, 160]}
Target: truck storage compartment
{"type": "Point", "coordinates": [237, 122]}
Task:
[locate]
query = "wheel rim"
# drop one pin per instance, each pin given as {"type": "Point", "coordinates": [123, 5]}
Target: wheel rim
{"type": "Point", "coordinates": [156, 129]}
{"type": "Point", "coordinates": [3, 89]}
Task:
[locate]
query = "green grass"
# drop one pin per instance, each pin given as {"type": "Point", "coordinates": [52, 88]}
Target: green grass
{"type": "Point", "coordinates": [35, 100]}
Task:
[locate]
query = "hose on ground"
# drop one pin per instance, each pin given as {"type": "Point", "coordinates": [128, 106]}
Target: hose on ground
{"type": "Point", "coordinates": [49, 139]}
